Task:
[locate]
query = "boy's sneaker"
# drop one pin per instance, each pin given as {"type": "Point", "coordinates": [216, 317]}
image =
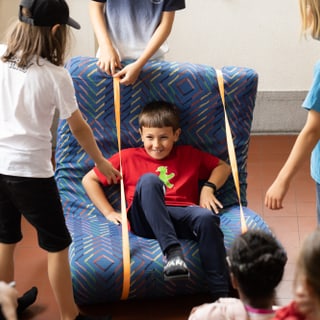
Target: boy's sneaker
{"type": "Point", "coordinates": [175, 269]}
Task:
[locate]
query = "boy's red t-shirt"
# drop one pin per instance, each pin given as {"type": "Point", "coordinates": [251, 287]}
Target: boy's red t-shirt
{"type": "Point", "coordinates": [180, 172]}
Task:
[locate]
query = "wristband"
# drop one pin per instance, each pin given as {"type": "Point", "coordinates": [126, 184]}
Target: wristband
{"type": "Point", "coordinates": [211, 185]}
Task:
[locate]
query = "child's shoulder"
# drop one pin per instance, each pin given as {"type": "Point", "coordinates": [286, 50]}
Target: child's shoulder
{"type": "Point", "coordinates": [188, 148]}
{"type": "Point", "coordinates": [3, 48]}
{"type": "Point", "coordinates": [131, 152]}
{"type": "Point", "coordinates": [224, 308]}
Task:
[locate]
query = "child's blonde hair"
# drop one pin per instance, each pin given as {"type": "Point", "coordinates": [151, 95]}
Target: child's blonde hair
{"type": "Point", "coordinates": [310, 17]}
{"type": "Point", "coordinates": [309, 261]}
{"type": "Point", "coordinates": [26, 41]}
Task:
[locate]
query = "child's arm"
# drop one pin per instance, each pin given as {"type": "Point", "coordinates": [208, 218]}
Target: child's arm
{"type": "Point", "coordinates": [219, 176]}
{"type": "Point", "coordinates": [108, 57]}
{"type": "Point", "coordinates": [84, 135]}
{"type": "Point", "coordinates": [301, 151]}
{"type": "Point", "coordinates": [130, 73]}
{"type": "Point", "coordinates": [96, 194]}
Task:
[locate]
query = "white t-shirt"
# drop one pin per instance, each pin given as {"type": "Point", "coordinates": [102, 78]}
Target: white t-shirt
{"type": "Point", "coordinates": [28, 99]}
{"type": "Point", "coordinates": [131, 24]}
{"type": "Point", "coordinates": [228, 309]}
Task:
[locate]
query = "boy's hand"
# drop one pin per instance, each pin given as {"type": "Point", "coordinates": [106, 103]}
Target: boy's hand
{"type": "Point", "coordinates": [109, 61]}
{"type": "Point", "coordinates": [114, 217]}
{"type": "Point", "coordinates": [106, 168]}
{"type": "Point", "coordinates": [129, 74]}
{"type": "Point", "coordinates": [209, 201]}
{"type": "Point", "coordinates": [275, 195]}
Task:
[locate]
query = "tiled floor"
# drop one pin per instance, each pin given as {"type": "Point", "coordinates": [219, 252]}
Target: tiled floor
{"type": "Point", "coordinates": [266, 156]}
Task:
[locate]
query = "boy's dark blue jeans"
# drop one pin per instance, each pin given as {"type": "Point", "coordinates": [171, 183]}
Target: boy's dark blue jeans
{"type": "Point", "coordinates": [151, 218]}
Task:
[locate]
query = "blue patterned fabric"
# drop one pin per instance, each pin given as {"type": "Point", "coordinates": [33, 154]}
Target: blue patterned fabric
{"type": "Point", "coordinates": [96, 251]}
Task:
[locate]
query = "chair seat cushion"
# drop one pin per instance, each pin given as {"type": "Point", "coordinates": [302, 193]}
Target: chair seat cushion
{"type": "Point", "coordinates": [96, 259]}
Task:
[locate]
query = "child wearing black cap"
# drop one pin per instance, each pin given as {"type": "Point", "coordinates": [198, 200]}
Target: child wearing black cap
{"type": "Point", "coordinates": [33, 83]}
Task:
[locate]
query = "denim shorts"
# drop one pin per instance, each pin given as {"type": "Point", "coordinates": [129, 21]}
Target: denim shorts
{"type": "Point", "coordinates": [38, 200]}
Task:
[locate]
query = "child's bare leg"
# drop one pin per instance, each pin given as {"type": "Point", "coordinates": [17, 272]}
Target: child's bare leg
{"type": "Point", "coordinates": [7, 275]}
{"type": "Point", "coordinates": [6, 262]}
{"type": "Point", "coordinates": [60, 280]}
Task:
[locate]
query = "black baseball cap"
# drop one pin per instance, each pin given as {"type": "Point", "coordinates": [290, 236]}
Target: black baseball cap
{"type": "Point", "coordinates": [47, 13]}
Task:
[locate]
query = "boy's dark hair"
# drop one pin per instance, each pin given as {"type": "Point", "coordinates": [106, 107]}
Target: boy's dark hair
{"type": "Point", "coordinates": [257, 261]}
{"type": "Point", "coordinates": [159, 114]}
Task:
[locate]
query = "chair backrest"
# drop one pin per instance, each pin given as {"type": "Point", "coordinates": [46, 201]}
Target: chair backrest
{"type": "Point", "coordinates": [194, 90]}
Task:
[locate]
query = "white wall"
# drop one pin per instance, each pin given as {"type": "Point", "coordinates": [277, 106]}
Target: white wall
{"type": "Point", "coordinates": [264, 35]}
{"type": "Point", "coordinates": [85, 40]}
{"type": "Point", "coordinates": [83, 44]}
{"type": "Point", "coordinates": [8, 11]}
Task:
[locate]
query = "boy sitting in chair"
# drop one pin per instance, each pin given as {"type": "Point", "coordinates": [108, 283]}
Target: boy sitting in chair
{"type": "Point", "coordinates": [161, 186]}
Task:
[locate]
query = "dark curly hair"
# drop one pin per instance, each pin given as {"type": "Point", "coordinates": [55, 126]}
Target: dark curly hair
{"type": "Point", "coordinates": [257, 261]}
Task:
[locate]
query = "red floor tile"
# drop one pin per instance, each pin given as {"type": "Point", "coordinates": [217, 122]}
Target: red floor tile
{"type": "Point", "coordinates": [267, 154]}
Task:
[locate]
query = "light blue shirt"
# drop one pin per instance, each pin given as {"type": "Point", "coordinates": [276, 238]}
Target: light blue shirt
{"type": "Point", "coordinates": [131, 24]}
{"type": "Point", "coordinates": [312, 102]}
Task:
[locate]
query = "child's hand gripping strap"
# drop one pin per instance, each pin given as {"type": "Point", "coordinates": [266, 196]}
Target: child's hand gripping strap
{"type": "Point", "coordinates": [231, 150]}
{"type": "Point", "coordinates": [124, 222]}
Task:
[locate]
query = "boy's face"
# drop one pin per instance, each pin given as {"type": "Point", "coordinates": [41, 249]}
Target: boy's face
{"type": "Point", "coordinates": [158, 142]}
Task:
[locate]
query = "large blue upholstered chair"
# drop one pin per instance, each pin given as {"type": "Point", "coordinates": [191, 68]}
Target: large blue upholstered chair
{"type": "Point", "coordinates": [96, 251]}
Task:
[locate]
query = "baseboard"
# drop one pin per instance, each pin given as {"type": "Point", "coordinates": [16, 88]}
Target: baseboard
{"type": "Point", "coordinates": [279, 112]}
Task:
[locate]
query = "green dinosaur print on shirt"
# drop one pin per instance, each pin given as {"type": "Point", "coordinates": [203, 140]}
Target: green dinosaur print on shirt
{"type": "Point", "coordinates": [165, 177]}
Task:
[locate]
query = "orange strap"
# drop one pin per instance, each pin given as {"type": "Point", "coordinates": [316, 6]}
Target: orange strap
{"type": "Point", "coordinates": [124, 222]}
{"type": "Point", "coordinates": [231, 150]}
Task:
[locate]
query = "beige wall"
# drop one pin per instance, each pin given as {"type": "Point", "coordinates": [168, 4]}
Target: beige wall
{"type": "Point", "coordinates": [260, 34]}
{"type": "Point", "coordinates": [84, 43]}
{"type": "Point", "coordinates": [8, 11]}
{"type": "Point", "coordinates": [263, 35]}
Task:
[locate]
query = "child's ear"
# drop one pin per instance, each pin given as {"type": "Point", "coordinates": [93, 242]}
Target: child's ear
{"type": "Point", "coordinates": [55, 28]}
{"type": "Point", "coordinates": [234, 281]}
{"type": "Point", "coordinates": [140, 131]}
{"type": "Point", "coordinates": [177, 134]}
